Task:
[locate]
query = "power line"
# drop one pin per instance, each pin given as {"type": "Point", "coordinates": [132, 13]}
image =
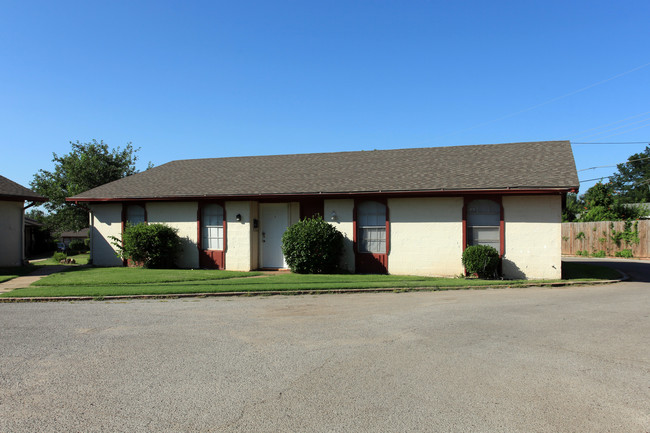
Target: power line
{"type": "Point", "coordinates": [595, 178]}
{"type": "Point", "coordinates": [626, 162]}
{"type": "Point", "coordinates": [625, 125]}
{"type": "Point", "coordinates": [611, 142]}
{"type": "Point", "coordinates": [544, 103]}
{"type": "Point", "coordinates": [608, 124]}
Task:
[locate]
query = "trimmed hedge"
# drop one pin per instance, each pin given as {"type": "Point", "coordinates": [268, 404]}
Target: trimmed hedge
{"type": "Point", "coordinates": [151, 245]}
{"type": "Point", "coordinates": [482, 260]}
{"type": "Point", "coordinates": [312, 246]}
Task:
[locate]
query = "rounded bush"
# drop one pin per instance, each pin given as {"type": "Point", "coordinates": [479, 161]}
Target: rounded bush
{"type": "Point", "coordinates": [151, 245]}
{"type": "Point", "coordinates": [482, 260]}
{"type": "Point", "coordinates": [312, 246]}
{"type": "Point", "coordinates": [77, 245]}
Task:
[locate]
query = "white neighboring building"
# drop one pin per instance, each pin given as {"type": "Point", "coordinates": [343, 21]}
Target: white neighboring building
{"type": "Point", "coordinates": [402, 211]}
{"type": "Point", "coordinates": [12, 220]}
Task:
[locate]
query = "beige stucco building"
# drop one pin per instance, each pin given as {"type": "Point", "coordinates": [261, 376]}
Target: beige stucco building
{"type": "Point", "coordinates": [12, 220]}
{"type": "Point", "coordinates": [405, 211]}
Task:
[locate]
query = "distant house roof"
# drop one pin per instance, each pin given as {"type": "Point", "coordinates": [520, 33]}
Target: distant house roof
{"type": "Point", "coordinates": [10, 190]}
{"type": "Point", "coordinates": [81, 234]}
{"type": "Point", "coordinates": [32, 223]}
{"type": "Point", "coordinates": [545, 165]}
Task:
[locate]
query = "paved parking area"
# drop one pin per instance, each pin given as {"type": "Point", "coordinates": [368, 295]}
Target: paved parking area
{"type": "Point", "coordinates": [546, 360]}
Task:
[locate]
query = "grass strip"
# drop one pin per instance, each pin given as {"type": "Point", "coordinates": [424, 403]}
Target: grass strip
{"type": "Point", "coordinates": [80, 259]}
{"type": "Point", "coordinates": [75, 276]}
{"type": "Point", "coordinates": [98, 282]}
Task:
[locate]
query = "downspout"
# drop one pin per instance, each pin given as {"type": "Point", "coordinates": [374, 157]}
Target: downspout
{"type": "Point", "coordinates": [23, 262]}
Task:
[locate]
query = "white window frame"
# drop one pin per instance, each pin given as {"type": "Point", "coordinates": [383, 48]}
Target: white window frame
{"type": "Point", "coordinates": [371, 227]}
{"type": "Point", "coordinates": [486, 227]}
{"type": "Point", "coordinates": [212, 232]}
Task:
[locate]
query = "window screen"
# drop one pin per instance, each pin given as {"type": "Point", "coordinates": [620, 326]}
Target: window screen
{"type": "Point", "coordinates": [135, 214]}
{"type": "Point", "coordinates": [212, 227]}
{"type": "Point", "coordinates": [483, 219]}
{"type": "Point", "coordinates": [371, 227]}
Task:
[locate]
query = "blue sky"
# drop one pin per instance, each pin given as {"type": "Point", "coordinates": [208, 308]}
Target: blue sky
{"type": "Point", "coordinates": [197, 79]}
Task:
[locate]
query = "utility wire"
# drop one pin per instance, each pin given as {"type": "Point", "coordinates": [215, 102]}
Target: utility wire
{"type": "Point", "coordinates": [626, 162]}
{"type": "Point", "coordinates": [608, 124]}
{"type": "Point", "coordinates": [626, 125]}
{"type": "Point", "coordinates": [544, 103]}
{"type": "Point", "coordinates": [611, 142]}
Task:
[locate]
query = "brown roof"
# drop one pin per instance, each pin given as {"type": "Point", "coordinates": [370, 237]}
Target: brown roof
{"type": "Point", "coordinates": [536, 165]}
{"type": "Point", "coordinates": [10, 190]}
{"type": "Point", "coordinates": [83, 233]}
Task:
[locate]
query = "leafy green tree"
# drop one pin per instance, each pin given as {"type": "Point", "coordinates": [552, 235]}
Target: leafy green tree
{"type": "Point", "coordinates": [632, 181]}
{"type": "Point", "coordinates": [87, 166]}
{"type": "Point", "coordinates": [573, 207]}
{"type": "Point", "coordinates": [601, 203]}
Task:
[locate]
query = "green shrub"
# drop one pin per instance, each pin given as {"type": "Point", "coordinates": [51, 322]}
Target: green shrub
{"type": "Point", "coordinates": [149, 245]}
{"type": "Point", "coordinates": [626, 253]}
{"type": "Point", "coordinates": [312, 246]}
{"type": "Point", "coordinates": [599, 253]}
{"type": "Point", "coordinates": [77, 245]}
{"type": "Point", "coordinates": [482, 260]}
{"type": "Point", "coordinates": [58, 256]}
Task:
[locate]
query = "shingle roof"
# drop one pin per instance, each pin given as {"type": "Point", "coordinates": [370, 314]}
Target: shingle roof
{"type": "Point", "coordinates": [535, 165]}
{"type": "Point", "coordinates": [10, 190]}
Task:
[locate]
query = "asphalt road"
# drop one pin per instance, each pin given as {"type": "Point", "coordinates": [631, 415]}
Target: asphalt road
{"type": "Point", "coordinates": [526, 360]}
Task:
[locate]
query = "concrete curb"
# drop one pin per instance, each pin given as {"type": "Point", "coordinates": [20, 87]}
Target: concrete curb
{"type": "Point", "coordinates": [624, 277]}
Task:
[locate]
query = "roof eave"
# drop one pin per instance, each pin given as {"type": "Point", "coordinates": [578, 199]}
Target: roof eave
{"type": "Point", "coordinates": [427, 192]}
{"type": "Point", "coordinates": [10, 197]}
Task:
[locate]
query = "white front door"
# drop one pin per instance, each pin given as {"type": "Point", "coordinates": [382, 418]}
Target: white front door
{"type": "Point", "coordinates": [274, 220]}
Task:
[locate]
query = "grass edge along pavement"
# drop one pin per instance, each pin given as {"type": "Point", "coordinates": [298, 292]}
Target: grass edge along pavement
{"type": "Point", "coordinates": [227, 282]}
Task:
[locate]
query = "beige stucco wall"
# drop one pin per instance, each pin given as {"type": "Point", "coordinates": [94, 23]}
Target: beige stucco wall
{"type": "Point", "coordinates": [533, 237]}
{"type": "Point", "coordinates": [426, 236]}
{"type": "Point", "coordinates": [11, 229]}
{"type": "Point", "coordinates": [238, 236]}
{"type": "Point", "coordinates": [181, 216]}
{"type": "Point", "coordinates": [106, 220]}
{"type": "Point", "coordinates": [255, 235]}
{"type": "Point", "coordinates": [344, 212]}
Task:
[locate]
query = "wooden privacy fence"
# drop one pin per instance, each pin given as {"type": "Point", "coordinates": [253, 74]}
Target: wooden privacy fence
{"type": "Point", "coordinates": [594, 237]}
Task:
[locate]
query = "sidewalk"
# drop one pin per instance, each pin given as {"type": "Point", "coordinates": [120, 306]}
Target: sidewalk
{"type": "Point", "coordinates": [20, 282]}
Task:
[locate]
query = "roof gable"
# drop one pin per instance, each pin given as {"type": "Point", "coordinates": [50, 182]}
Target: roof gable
{"type": "Point", "coordinates": [10, 190]}
{"type": "Point", "coordinates": [535, 165]}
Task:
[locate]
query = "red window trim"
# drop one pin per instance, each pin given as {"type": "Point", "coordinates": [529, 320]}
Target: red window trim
{"type": "Point", "coordinates": [355, 234]}
{"type": "Point", "coordinates": [125, 205]}
{"type": "Point", "coordinates": [137, 203]}
{"type": "Point", "coordinates": [497, 199]}
{"type": "Point", "coordinates": [199, 223]}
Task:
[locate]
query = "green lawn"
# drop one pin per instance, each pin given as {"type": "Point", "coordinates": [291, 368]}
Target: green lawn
{"type": "Point", "coordinates": [81, 259]}
{"type": "Point", "coordinates": [99, 282]}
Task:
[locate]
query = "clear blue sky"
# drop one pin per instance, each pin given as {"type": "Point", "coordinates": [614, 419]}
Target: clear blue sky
{"type": "Point", "coordinates": [197, 79]}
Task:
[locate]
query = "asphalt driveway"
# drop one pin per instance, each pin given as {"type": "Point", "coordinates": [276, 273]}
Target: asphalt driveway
{"type": "Point", "coordinates": [564, 359]}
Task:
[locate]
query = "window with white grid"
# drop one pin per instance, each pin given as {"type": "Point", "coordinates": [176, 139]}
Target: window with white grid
{"type": "Point", "coordinates": [371, 227]}
{"type": "Point", "coordinates": [483, 223]}
{"type": "Point", "coordinates": [135, 214]}
{"type": "Point", "coordinates": [212, 227]}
